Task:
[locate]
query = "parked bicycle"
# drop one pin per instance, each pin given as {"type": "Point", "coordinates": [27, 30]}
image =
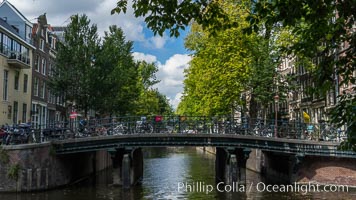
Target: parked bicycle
{"type": "Point", "coordinates": [83, 129]}
{"type": "Point", "coordinates": [142, 126]}
{"type": "Point", "coordinates": [260, 129]}
{"type": "Point", "coordinates": [328, 132]}
{"type": "Point", "coordinates": [19, 134]}
{"type": "Point", "coordinates": [118, 129]}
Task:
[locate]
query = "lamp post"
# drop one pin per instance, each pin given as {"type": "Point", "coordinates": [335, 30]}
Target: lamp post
{"type": "Point", "coordinates": [276, 99]}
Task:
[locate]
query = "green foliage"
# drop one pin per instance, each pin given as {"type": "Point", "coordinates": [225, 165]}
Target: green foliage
{"type": "Point", "coordinates": [150, 101]}
{"type": "Point", "coordinates": [147, 75]}
{"type": "Point", "coordinates": [4, 157]}
{"type": "Point", "coordinates": [116, 75]}
{"type": "Point", "coordinates": [175, 15]}
{"type": "Point", "coordinates": [13, 171]}
{"type": "Point", "coordinates": [323, 30]}
{"type": "Point", "coordinates": [75, 63]}
{"type": "Point", "coordinates": [347, 104]}
{"type": "Point", "coordinates": [226, 65]}
{"type": "Point", "coordinates": [52, 151]}
{"type": "Point", "coordinates": [311, 27]}
{"type": "Point", "coordinates": [104, 76]}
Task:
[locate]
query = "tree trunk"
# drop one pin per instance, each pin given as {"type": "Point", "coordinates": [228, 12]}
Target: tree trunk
{"type": "Point", "coordinates": [253, 109]}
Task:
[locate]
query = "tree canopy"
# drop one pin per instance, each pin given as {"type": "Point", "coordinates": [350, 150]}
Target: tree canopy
{"type": "Point", "coordinates": [75, 62]}
{"type": "Point", "coordinates": [103, 76]}
{"type": "Point", "coordinates": [116, 75]}
{"type": "Point", "coordinates": [323, 29]}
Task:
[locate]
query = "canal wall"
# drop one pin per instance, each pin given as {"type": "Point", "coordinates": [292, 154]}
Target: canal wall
{"type": "Point", "coordinates": [327, 170]}
{"type": "Point", "coordinates": [287, 168]}
{"type": "Point", "coordinates": [34, 167]}
{"type": "Point", "coordinates": [253, 163]}
{"type": "Point", "coordinates": [290, 168]}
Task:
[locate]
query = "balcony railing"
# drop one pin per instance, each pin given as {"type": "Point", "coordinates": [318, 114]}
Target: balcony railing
{"type": "Point", "coordinates": [18, 60]}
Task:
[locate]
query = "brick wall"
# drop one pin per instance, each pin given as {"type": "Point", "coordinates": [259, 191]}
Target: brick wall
{"type": "Point", "coordinates": [40, 169]}
{"type": "Point", "coordinates": [341, 171]}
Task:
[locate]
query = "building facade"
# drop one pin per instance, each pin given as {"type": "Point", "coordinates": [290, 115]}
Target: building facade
{"type": "Point", "coordinates": [300, 99]}
{"type": "Point", "coordinates": [47, 108]}
{"type": "Point", "coordinates": [43, 111]}
{"type": "Point", "coordinates": [15, 65]}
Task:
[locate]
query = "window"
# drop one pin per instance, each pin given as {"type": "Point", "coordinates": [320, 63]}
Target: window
{"type": "Point", "coordinates": [28, 33]}
{"type": "Point", "coordinates": [24, 113]}
{"type": "Point", "coordinates": [25, 55]}
{"type": "Point", "coordinates": [25, 82]}
{"type": "Point", "coordinates": [50, 71]}
{"type": "Point", "coordinates": [34, 113]}
{"type": "Point", "coordinates": [17, 77]}
{"type": "Point", "coordinates": [49, 96]}
{"type": "Point", "coordinates": [42, 44]}
{"type": "Point", "coordinates": [37, 63]}
{"type": "Point", "coordinates": [35, 87]}
{"type": "Point", "coordinates": [43, 90]}
{"type": "Point", "coordinates": [44, 66]}
{"type": "Point", "coordinates": [52, 41]}
{"type": "Point", "coordinates": [4, 47]}
{"type": "Point", "coordinates": [5, 85]}
{"type": "Point", "coordinates": [15, 50]}
{"type": "Point", "coordinates": [14, 119]}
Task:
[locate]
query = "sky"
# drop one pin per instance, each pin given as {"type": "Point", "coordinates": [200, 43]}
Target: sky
{"type": "Point", "coordinates": [168, 53]}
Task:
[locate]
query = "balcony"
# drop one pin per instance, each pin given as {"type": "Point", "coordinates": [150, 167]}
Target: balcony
{"type": "Point", "coordinates": [18, 60]}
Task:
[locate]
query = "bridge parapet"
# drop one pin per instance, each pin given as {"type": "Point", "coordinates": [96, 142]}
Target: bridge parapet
{"type": "Point", "coordinates": [221, 125]}
{"type": "Point", "coordinates": [291, 146]}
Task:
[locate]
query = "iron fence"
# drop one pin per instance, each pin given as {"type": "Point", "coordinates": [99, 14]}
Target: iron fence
{"type": "Point", "coordinates": [179, 125]}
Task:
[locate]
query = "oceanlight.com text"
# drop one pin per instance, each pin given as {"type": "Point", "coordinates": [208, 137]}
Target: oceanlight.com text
{"type": "Point", "coordinates": [202, 187]}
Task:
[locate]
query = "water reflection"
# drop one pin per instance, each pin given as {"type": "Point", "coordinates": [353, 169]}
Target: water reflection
{"type": "Point", "coordinates": [164, 169]}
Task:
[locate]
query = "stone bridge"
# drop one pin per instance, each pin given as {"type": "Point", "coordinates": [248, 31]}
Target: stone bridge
{"type": "Point", "coordinates": [283, 152]}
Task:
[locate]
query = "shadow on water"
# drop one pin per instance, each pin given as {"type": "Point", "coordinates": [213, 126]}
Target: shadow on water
{"type": "Point", "coordinates": [169, 173]}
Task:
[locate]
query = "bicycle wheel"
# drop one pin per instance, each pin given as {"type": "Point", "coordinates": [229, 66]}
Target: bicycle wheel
{"type": "Point", "coordinates": [149, 128]}
{"type": "Point", "coordinates": [120, 130]}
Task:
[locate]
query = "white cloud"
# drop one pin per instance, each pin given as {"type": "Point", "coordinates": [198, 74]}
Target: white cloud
{"type": "Point", "coordinates": [157, 41]}
{"type": "Point", "coordinates": [99, 12]}
{"type": "Point", "coordinates": [171, 75]}
{"type": "Point", "coordinates": [175, 102]}
{"type": "Point", "coordinates": [144, 57]}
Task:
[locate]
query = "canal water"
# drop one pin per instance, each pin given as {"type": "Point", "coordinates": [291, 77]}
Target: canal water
{"type": "Point", "coordinates": [173, 173]}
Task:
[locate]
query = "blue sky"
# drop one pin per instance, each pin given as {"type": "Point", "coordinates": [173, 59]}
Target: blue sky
{"type": "Point", "coordinates": [171, 46]}
{"type": "Point", "coordinates": [168, 53]}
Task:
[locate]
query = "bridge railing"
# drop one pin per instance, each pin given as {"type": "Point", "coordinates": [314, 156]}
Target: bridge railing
{"type": "Point", "coordinates": [186, 125]}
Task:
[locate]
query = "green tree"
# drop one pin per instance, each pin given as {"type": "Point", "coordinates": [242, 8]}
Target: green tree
{"type": "Point", "coordinates": [163, 105]}
{"type": "Point", "coordinates": [219, 68]}
{"type": "Point", "coordinates": [323, 28]}
{"type": "Point", "coordinates": [75, 63]}
{"type": "Point", "coordinates": [147, 102]}
{"type": "Point", "coordinates": [117, 75]}
{"type": "Point", "coordinates": [226, 65]}
{"type": "Point", "coordinates": [175, 15]}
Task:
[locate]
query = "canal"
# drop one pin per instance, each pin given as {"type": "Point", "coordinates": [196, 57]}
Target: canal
{"type": "Point", "coordinates": [172, 173]}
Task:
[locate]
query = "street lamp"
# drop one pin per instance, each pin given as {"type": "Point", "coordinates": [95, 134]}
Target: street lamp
{"type": "Point", "coordinates": [276, 99]}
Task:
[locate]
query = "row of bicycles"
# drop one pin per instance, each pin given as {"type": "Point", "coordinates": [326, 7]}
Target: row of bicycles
{"type": "Point", "coordinates": [204, 125]}
{"type": "Point", "coordinates": [25, 133]}
{"type": "Point", "coordinates": [17, 134]}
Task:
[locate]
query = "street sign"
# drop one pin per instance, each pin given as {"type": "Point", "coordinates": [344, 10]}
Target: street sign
{"type": "Point", "coordinates": [73, 115]}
